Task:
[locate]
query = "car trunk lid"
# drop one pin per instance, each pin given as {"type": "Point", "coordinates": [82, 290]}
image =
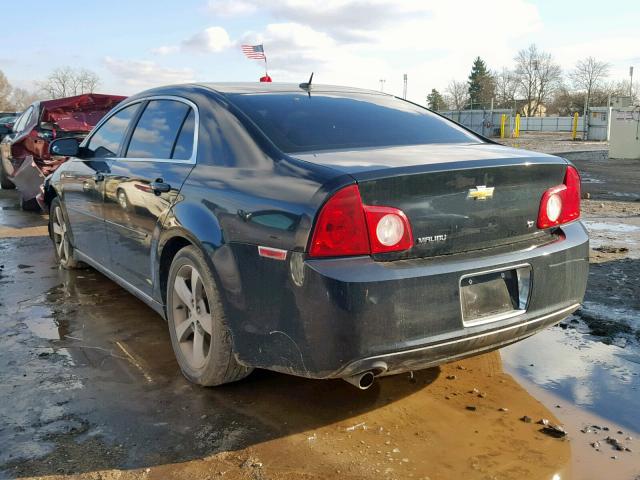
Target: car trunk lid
{"type": "Point", "coordinates": [78, 114]}
{"type": "Point", "coordinates": [457, 197]}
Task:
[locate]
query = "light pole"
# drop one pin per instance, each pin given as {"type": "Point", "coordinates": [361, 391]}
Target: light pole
{"type": "Point", "coordinates": [536, 67]}
{"type": "Point", "coordinates": [404, 90]}
{"type": "Point", "coordinates": [631, 83]}
{"type": "Point", "coordinates": [382, 80]}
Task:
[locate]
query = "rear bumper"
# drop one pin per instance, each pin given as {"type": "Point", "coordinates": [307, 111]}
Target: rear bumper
{"type": "Point", "coordinates": [338, 317]}
{"type": "Point", "coordinates": [455, 349]}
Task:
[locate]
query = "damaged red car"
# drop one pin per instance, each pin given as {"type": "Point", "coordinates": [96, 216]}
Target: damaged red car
{"type": "Point", "coordinates": [25, 151]}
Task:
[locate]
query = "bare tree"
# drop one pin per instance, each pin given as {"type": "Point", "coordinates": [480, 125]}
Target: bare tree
{"type": "Point", "coordinates": [59, 83]}
{"type": "Point", "coordinates": [620, 88]}
{"type": "Point", "coordinates": [66, 82]}
{"type": "Point", "coordinates": [525, 73]}
{"type": "Point", "coordinates": [506, 86]}
{"type": "Point", "coordinates": [457, 95]}
{"type": "Point", "coordinates": [566, 102]}
{"type": "Point", "coordinates": [538, 76]}
{"type": "Point", "coordinates": [5, 93]}
{"type": "Point", "coordinates": [88, 81]}
{"type": "Point", "coordinates": [589, 75]}
{"type": "Point", "coordinates": [21, 98]}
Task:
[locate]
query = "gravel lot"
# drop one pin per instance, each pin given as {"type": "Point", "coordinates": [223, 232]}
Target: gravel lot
{"type": "Point", "coordinates": [552, 142]}
{"type": "Point", "coordinates": [90, 387]}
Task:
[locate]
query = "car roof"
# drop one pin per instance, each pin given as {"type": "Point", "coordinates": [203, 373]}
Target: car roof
{"type": "Point", "coordinates": [277, 87]}
{"type": "Point", "coordinates": [239, 88]}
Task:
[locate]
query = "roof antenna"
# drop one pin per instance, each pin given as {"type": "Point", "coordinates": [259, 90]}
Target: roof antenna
{"type": "Point", "coordinates": [307, 85]}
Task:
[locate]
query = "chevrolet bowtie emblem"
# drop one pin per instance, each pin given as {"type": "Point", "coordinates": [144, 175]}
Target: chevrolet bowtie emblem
{"type": "Point", "coordinates": [481, 192]}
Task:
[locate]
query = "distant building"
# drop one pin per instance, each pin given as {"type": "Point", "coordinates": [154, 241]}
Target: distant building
{"type": "Point", "coordinates": [529, 111]}
{"type": "Point", "coordinates": [620, 101]}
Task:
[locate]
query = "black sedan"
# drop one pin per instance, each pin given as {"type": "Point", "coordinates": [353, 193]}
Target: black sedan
{"type": "Point", "coordinates": [320, 231]}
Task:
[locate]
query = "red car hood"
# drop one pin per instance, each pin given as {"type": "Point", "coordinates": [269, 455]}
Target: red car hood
{"type": "Point", "coordinates": [79, 113]}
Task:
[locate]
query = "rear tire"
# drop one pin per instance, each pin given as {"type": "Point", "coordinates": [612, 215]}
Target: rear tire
{"type": "Point", "coordinates": [59, 231]}
{"type": "Point", "coordinates": [5, 183]}
{"type": "Point", "coordinates": [200, 337]}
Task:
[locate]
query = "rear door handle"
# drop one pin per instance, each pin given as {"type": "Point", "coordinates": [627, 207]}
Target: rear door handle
{"type": "Point", "coordinates": [159, 187]}
{"type": "Point", "coordinates": [98, 177]}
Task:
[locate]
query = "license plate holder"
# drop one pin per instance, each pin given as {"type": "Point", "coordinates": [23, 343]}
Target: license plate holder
{"type": "Point", "coordinates": [494, 295]}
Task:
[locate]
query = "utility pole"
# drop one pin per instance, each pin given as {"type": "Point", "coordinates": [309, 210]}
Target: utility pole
{"type": "Point", "coordinates": [631, 83]}
{"type": "Point", "coordinates": [382, 80]}
{"type": "Point", "coordinates": [404, 90]}
{"type": "Point", "coordinates": [585, 120]}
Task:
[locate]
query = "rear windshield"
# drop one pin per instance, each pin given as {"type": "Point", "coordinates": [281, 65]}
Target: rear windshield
{"type": "Point", "coordinates": [297, 122]}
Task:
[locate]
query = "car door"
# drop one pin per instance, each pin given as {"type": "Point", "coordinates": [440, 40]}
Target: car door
{"type": "Point", "coordinates": [83, 184]}
{"type": "Point", "coordinates": [144, 183]}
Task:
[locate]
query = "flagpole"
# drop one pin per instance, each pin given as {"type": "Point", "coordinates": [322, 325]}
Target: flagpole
{"type": "Point", "coordinates": [266, 70]}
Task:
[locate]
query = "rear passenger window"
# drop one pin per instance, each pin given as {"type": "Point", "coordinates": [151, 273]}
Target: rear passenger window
{"type": "Point", "coordinates": [107, 139]}
{"type": "Point", "coordinates": [184, 143]}
{"type": "Point", "coordinates": [157, 130]}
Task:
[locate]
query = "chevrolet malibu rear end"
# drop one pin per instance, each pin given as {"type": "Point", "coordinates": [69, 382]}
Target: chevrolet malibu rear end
{"type": "Point", "coordinates": [343, 233]}
{"type": "Point", "coordinates": [435, 251]}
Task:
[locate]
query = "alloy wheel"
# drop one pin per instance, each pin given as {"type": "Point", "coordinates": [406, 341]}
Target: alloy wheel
{"type": "Point", "coordinates": [122, 200]}
{"type": "Point", "coordinates": [192, 316]}
{"type": "Point", "coordinates": [60, 237]}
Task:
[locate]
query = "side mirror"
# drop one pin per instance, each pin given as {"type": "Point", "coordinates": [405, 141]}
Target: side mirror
{"type": "Point", "coordinates": [64, 147]}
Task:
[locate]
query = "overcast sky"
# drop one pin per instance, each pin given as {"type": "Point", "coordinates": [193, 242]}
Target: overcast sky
{"type": "Point", "coordinates": [133, 45]}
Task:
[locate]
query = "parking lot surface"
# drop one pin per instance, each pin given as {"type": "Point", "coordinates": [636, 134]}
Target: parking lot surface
{"type": "Point", "coordinates": [90, 387]}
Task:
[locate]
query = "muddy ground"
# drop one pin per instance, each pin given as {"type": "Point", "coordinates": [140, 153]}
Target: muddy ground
{"type": "Point", "coordinates": [89, 387]}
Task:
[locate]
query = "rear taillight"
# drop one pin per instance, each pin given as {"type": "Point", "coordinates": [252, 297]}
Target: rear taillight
{"type": "Point", "coordinates": [389, 229]}
{"type": "Point", "coordinates": [561, 204]}
{"type": "Point", "coordinates": [347, 227]}
{"type": "Point", "coordinates": [341, 228]}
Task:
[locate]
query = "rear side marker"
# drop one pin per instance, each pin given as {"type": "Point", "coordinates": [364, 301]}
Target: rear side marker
{"type": "Point", "coordinates": [274, 253]}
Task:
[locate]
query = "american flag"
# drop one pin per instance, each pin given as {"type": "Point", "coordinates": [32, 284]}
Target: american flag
{"type": "Point", "coordinates": [255, 52]}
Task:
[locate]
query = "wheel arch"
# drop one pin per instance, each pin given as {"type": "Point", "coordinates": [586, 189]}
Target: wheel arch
{"type": "Point", "coordinates": [49, 193]}
{"type": "Point", "coordinates": [202, 230]}
{"type": "Point", "coordinates": [165, 257]}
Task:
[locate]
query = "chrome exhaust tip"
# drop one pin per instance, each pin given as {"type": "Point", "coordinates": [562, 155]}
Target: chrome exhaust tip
{"type": "Point", "coordinates": [363, 380]}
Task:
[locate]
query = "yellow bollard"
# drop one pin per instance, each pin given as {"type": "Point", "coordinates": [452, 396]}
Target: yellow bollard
{"type": "Point", "coordinates": [574, 130]}
{"type": "Point", "coordinates": [517, 129]}
{"type": "Point", "coordinates": [503, 121]}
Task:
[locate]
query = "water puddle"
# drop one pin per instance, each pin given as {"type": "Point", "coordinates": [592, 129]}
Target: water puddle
{"type": "Point", "coordinates": [586, 179]}
{"type": "Point", "coordinates": [603, 379]}
{"type": "Point", "coordinates": [624, 195]}
{"type": "Point", "coordinates": [611, 227]}
{"type": "Point", "coordinates": [41, 322]}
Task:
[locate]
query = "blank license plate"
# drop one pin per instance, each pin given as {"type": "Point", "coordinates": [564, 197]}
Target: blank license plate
{"type": "Point", "coordinates": [494, 295]}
